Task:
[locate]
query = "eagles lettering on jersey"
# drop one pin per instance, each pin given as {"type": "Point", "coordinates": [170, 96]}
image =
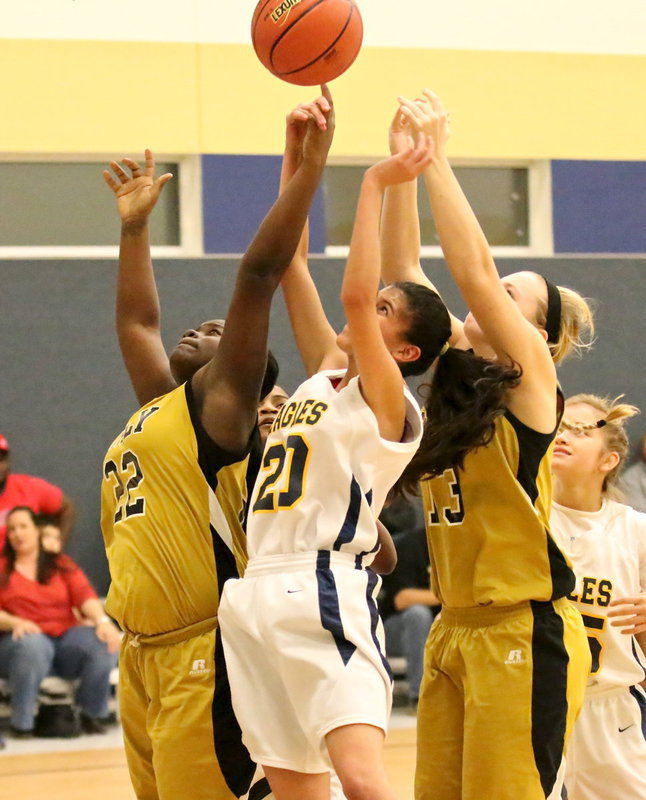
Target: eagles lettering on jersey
{"type": "Point", "coordinates": [304, 412]}
{"type": "Point", "coordinates": [607, 549]}
{"type": "Point", "coordinates": [325, 472]}
{"type": "Point", "coordinates": [593, 591]}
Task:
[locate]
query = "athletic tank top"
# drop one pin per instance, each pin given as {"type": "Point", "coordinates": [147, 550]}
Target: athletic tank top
{"type": "Point", "coordinates": [326, 471]}
{"type": "Point", "coordinates": [488, 523]}
{"type": "Point", "coordinates": [171, 509]}
{"type": "Point", "coordinates": [608, 552]}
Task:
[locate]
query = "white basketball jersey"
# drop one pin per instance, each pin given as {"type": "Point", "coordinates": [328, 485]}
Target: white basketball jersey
{"type": "Point", "coordinates": [607, 549]}
{"type": "Point", "coordinates": [326, 471]}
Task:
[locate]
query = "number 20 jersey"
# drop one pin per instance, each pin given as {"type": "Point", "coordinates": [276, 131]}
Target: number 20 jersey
{"type": "Point", "coordinates": [326, 471]}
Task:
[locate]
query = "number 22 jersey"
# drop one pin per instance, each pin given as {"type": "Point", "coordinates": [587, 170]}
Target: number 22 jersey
{"type": "Point", "coordinates": [171, 505]}
{"type": "Point", "coordinates": [326, 471]}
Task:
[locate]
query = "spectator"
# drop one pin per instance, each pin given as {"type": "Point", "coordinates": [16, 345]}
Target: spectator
{"type": "Point", "coordinates": [633, 481]}
{"type": "Point", "coordinates": [407, 604]}
{"type": "Point", "coordinates": [35, 493]}
{"type": "Point", "coordinates": [51, 538]}
{"type": "Point", "coordinates": [38, 594]}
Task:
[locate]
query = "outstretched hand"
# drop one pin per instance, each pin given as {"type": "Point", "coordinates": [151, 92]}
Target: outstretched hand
{"type": "Point", "coordinates": [318, 121]}
{"type": "Point", "coordinates": [404, 166]}
{"type": "Point", "coordinates": [400, 135]}
{"type": "Point", "coordinates": [298, 118]}
{"type": "Point", "coordinates": [629, 614]}
{"type": "Point", "coordinates": [138, 192]}
{"type": "Point", "coordinates": [427, 115]}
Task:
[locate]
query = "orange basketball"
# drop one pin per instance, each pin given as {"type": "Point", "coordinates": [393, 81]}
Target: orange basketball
{"type": "Point", "coordinates": [307, 42]}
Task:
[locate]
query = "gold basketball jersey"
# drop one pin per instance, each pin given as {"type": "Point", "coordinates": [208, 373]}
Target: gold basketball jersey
{"type": "Point", "coordinates": [488, 523]}
{"type": "Point", "coordinates": [171, 510]}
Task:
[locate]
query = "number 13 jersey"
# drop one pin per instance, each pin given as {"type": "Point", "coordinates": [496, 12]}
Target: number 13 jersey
{"type": "Point", "coordinates": [488, 523]}
{"type": "Point", "coordinates": [326, 471]}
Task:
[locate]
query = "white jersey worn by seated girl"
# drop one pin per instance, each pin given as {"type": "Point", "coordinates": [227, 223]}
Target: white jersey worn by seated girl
{"type": "Point", "coordinates": [301, 631]}
{"type": "Point", "coordinates": [606, 757]}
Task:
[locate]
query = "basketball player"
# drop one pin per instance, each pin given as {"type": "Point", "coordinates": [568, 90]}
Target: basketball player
{"type": "Point", "coordinates": [303, 641]}
{"type": "Point", "coordinates": [173, 493]}
{"type": "Point", "coordinates": [606, 543]}
{"type": "Point", "coordinates": [507, 660]}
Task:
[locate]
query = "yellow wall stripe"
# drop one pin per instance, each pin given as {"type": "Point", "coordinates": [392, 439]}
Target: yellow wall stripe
{"type": "Point", "coordinates": [118, 97]}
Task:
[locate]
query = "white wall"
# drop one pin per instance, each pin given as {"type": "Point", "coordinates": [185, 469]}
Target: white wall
{"type": "Point", "coordinates": [571, 26]}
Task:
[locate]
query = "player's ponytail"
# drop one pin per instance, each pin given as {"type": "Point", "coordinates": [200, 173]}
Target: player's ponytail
{"type": "Point", "coordinates": [572, 321]}
{"type": "Point", "coordinates": [466, 395]}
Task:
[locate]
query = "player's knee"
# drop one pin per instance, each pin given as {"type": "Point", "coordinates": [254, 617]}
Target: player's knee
{"type": "Point", "coordinates": [359, 785]}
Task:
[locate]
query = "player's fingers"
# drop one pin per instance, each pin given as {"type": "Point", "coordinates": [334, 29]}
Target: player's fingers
{"type": "Point", "coordinates": [412, 118]}
{"type": "Point", "coordinates": [323, 104]}
{"type": "Point", "coordinates": [632, 598]}
{"type": "Point", "coordinates": [396, 121]}
{"type": "Point", "coordinates": [327, 94]}
{"type": "Point", "coordinates": [133, 167]}
{"type": "Point", "coordinates": [318, 115]}
{"type": "Point", "coordinates": [297, 116]}
{"type": "Point", "coordinates": [435, 101]}
{"type": "Point", "coordinates": [163, 180]}
{"type": "Point", "coordinates": [150, 163]}
{"type": "Point", "coordinates": [412, 106]}
{"type": "Point", "coordinates": [621, 621]}
{"type": "Point", "coordinates": [632, 631]}
{"type": "Point", "coordinates": [119, 171]}
{"type": "Point", "coordinates": [107, 177]}
{"type": "Point", "coordinates": [621, 610]}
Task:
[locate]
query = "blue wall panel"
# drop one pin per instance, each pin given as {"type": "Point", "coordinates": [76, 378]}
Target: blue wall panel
{"type": "Point", "coordinates": [237, 192]}
{"type": "Point", "coordinates": [599, 206]}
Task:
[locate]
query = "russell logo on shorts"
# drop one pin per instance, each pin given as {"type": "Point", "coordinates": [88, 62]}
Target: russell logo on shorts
{"type": "Point", "coordinates": [199, 667]}
{"type": "Point", "coordinates": [515, 657]}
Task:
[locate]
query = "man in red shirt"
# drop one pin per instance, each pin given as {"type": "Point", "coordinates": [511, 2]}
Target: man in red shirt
{"type": "Point", "coordinates": [37, 494]}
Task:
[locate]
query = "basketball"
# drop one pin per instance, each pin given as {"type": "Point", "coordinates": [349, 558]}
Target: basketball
{"type": "Point", "coordinates": [307, 42]}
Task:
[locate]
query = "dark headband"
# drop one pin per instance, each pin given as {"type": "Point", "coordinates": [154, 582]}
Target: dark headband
{"type": "Point", "coordinates": [553, 321]}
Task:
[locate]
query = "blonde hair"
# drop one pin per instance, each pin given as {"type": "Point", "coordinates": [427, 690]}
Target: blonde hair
{"type": "Point", "coordinates": [576, 331]}
{"type": "Point", "coordinates": [614, 432]}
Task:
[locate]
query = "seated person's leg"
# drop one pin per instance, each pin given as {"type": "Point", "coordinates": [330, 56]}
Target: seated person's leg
{"type": "Point", "coordinates": [80, 654]}
{"type": "Point", "coordinates": [25, 662]}
{"type": "Point", "coordinates": [416, 623]}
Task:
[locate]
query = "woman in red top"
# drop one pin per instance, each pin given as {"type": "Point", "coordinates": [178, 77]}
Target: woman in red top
{"type": "Point", "coordinates": [39, 592]}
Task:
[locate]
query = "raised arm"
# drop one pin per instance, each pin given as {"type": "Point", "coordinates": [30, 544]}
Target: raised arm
{"type": "Point", "coordinates": [138, 313]}
{"type": "Point", "coordinates": [400, 231]}
{"type": "Point", "coordinates": [507, 331]}
{"type": "Point", "coordinates": [315, 337]}
{"type": "Point", "coordinates": [381, 378]}
{"type": "Point", "coordinates": [227, 389]}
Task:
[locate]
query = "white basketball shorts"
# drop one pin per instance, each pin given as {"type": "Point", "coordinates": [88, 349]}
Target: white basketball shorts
{"type": "Point", "coordinates": [606, 754]}
{"type": "Point", "coordinates": [304, 646]}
